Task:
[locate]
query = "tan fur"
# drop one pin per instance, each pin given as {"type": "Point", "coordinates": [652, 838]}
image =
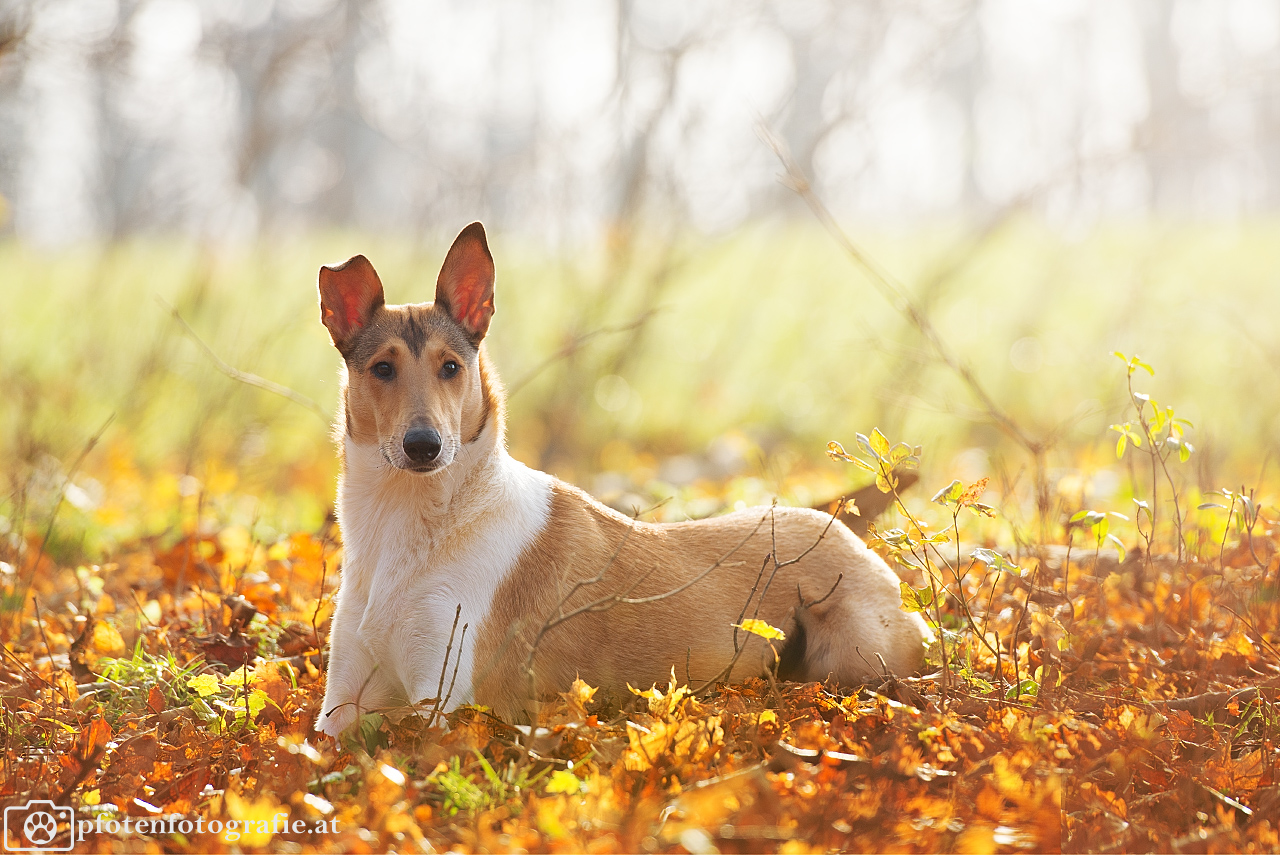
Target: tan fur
{"type": "Point", "coordinates": [691, 631]}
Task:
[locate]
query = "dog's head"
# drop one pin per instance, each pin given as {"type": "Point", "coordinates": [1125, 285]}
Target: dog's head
{"type": "Point", "coordinates": [415, 382]}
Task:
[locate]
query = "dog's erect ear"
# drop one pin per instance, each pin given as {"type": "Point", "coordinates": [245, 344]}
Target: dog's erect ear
{"type": "Point", "coordinates": [465, 285]}
{"type": "Point", "coordinates": [349, 292]}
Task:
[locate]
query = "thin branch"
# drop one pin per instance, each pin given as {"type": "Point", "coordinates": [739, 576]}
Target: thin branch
{"type": "Point", "coordinates": [244, 376]}
{"type": "Point", "coordinates": [573, 347]}
{"type": "Point", "coordinates": [25, 585]}
{"type": "Point", "coordinates": [894, 293]}
{"type": "Point", "coordinates": [819, 602]}
{"type": "Point", "coordinates": [454, 678]}
{"type": "Point", "coordinates": [457, 615]}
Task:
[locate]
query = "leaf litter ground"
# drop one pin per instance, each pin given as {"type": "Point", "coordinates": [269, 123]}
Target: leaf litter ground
{"type": "Point", "coordinates": [1143, 716]}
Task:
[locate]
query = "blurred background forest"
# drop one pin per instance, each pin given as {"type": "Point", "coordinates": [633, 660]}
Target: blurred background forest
{"type": "Point", "coordinates": [1048, 181]}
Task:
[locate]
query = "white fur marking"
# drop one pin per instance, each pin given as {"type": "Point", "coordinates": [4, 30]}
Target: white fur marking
{"type": "Point", "coordinates": [416, 547]}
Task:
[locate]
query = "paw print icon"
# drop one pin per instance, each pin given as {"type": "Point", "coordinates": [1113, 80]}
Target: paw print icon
{"type": "Point", "coordinates": [39, 826]}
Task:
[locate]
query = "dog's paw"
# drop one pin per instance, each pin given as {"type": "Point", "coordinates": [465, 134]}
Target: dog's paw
{"type": "Point", "coordinates": [334, 721]}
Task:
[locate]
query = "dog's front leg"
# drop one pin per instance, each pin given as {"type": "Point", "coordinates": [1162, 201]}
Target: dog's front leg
{"type": "Point", "coordinates": [438, 678]}
{"type": "Point", "coordinates": [355, 683]}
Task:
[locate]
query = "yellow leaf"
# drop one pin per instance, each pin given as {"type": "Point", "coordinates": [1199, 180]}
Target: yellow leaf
{"type": "Point", "coordinates": [255, 822]}
{"type": "Point", "coordinates": [241, 678]}
{"type": "Point", "coordinates": [206, 685]}
{"type": "Point", "coordinates": [762, 629]}
{"type": "Point", "coordinates": [563, 781]}
{"type": "Point", "coordinates": [662, 705]}
{"type": "Point", "coordinates": [578, 696]}
{"type": "Point", "coordinates": [107, 639]}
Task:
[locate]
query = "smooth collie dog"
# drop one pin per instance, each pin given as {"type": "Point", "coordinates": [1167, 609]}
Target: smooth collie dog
{"type": "Point", "coordinates": [436, 516]}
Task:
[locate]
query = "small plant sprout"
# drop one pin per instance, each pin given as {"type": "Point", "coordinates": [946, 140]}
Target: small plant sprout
{"type": "Point", "coordinates": [915, 547]}
{"type": "Point", "coordinates": [1098, 523]}
{"type": "Point", "coordinates": [1165, 435]}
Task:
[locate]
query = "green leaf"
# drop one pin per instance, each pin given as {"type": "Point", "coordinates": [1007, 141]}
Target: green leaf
{"type": "Point", "coordinates": [879, 444]}
{"type": "Point", "coordinates": [1184, 451]}
{"type": "Point", "coordinates": [203, 711]}
{"type": "Point", "coordinates": [1078, 515]}
{"type": "Point", "coordinates": [1118, 545]}
{"type": "Point", "coordinates": [981, 510]}
{"type": "Point", "coordinates": [1026, 687]}
{"type": "Point", "coordinates": [996, 561]}
{"type": "Point", "coordinates": [900, 452]}
{"type": "Point", "coordinates": [913, 600]}
{"type": "Point", "coordinates": [1120, 446]}
{"type": "Point", "coordinates": [949, 493]}
{"type": "Point", "coordinates": [864, 443]}
{"type": "Point", "coordinates": [1160, 415]}
{"type": "Point", "coordinates": [1207, 505]}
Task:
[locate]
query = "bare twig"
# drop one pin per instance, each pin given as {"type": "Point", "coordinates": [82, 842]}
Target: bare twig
{"type": "Point", "coordinates": [449, 694]}
{"type": "Point", "coordinates": [818, 602]}
{"type": "Point", "coordinates": [573, 347]}
{"type": "Point", "coordinates": [244, 376]}
{"type": "Point", "coordinates": [895, 294]}
{"type": "Point", "coordinates": [457, 615]}
{"type": "Point", "coordinates": [29, 577]}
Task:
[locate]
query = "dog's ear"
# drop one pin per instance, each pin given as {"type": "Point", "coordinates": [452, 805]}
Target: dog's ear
{"type": "Point", "coordinates": [349, 293]}
{"type": "Point", "coordinates": [465, 285]}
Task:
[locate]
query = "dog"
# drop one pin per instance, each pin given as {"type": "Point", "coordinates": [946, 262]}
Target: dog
{"type": "Point", "coordinates": [462, 563]}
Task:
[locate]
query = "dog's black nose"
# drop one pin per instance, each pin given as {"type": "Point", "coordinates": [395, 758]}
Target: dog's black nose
{"type": "Point", "coordinates": [422, 445]}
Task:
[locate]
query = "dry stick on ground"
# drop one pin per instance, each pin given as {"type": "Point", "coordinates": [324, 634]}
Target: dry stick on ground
{"type": "Point", "coordinates": [315, 629]}
{"type": "Point", "coordinates": [244, 376]}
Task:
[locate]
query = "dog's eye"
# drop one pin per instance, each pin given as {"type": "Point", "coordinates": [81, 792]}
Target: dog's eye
{"type": "Point", "coordinates": [449, 369]}
{"type": "Point", "coordinates": [385, 370]}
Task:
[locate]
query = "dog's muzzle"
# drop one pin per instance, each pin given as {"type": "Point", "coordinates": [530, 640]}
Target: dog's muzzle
{"type": "Point", "coordinates": [422, 445]}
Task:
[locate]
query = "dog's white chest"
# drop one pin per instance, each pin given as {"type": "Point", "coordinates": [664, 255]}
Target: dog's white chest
{"type": "Point", "coordinates": [414, 562]}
